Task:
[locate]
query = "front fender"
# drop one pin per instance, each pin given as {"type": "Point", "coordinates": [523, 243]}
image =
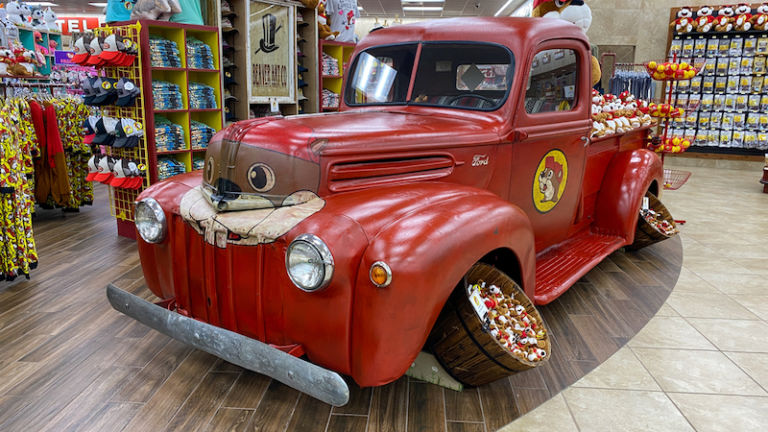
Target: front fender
{"type": "Point", "coordinates": [429, 249]}
{"type": "Point", "coordinates": [629, 175]}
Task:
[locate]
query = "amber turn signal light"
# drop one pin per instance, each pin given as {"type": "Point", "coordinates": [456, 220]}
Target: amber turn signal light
{"type": "Point", "coordinates": [380, 274]}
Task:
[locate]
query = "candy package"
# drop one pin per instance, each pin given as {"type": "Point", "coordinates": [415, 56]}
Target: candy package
{"type": "Point", "coordinates": [708, 84]}
{"type": "Point", "coordinates": [737, 46]}
{"type": "Point", "coordinates": [750, 43]}
{"type": "Point", "coordinates": [687, 50]}
{"type": "Point", "coordinates": [707, 101]}
{"type": "Point", "coordinates": [711, 46]}
{"type": "Point", "coordinates": [710, 66]}
{"type": "Point", "coordinates": [739, 121]}
{"type": "Point", "coordinates": [750, 139]}
{"type": "Point", "coordinates": [722, 66]}
{"type": "Point", "coordinates": [699, 47]}
{"type": "Point", "coordinates": [721, 83]}
{"type": "Point", "coordinates": [730, 102]}
{"type": "Point", "coordinates": [719, 102]}
{"type": "Point", "coordinates": [762, 45]}
{"type": "Point", "coordinates": [724, 48]}
{"type": "Point", "coordinates": [733, 84]}
{"type": "Point", "coordinates": [754, 103]}
{"type": "Point", "coordinates": [746, 65]}
{"type": "Point", "coordinates": [696, 84]}
{"type": "Point", "coordinates": [737, 138]}
{"type": "Point", "coordinates": [741, 102]}
{"type": "Point", "coordinates": [757, 84]}
{"type": "Point", "coordinates": [675, 47]}
{"type": "Point", "coordinates": [725, 138]}
{"type": "Point", "coordinates": [716, 120]}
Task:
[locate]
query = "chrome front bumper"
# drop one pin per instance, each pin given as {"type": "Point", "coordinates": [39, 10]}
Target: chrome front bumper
{"type": "Point", "coordinates": [320, 383]}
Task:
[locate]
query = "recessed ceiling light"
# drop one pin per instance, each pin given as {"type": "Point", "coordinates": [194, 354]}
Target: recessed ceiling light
{"type": "Point", "coordinates": [98, 4]}
{"type": "Point", "coordinates": [422, 8]}
{"type": "Point", "coordinates": [41, 4]}
{"type": "Point", "coordinates": [422, 1]}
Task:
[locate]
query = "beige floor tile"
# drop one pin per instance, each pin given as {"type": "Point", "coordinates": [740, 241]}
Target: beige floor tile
{"type": "Point", "coordinates": [670, 332]}
{"type": "Point", "coordinates": [755, 265]}
{"type": "Point", "coordinates": [667, 311]}
{"type": "Point", "coordinates": [754, 364]}
{"type": "Point", "coordinates": [723, 265]}
{"type": "Point", "coordinates": [707, 305]}
{"type": "Point", "coordinates": [758, 305]}
{"type": "Point", "coordinates": [693, 371]}
{"type": "Point", "coordinates": [691, 282]}
{"type": "Point", "coordinates": [717, 413]}
{"type": "Point", "coordinates": [734, 335]}
{"type": "Point", "coordinates": [597, 410]}
{"type": "Point", "coordinates": [552, 415]}
{"type": "Point", "coordinates": [729, 283]}
{"type": "Point", "coordinates": [621, 371]}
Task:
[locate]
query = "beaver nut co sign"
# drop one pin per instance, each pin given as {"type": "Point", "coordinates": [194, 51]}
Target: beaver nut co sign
{"type": "Point", "coordinates": [271, 27]}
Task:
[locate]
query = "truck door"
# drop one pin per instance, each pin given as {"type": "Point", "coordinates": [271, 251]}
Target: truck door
{"type": "Point", "coordinates": [552, 124]}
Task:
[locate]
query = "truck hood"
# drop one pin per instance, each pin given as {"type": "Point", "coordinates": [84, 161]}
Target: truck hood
{"type": "Point", "coordinates": [262, 163]}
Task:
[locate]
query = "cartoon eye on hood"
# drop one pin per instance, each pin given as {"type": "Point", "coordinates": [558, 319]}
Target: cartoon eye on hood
{"type": "Point", "coordinates": [239, 176]}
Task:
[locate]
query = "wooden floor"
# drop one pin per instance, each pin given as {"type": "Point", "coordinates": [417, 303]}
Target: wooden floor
{"type": "Point", "coordinates": [70, 362]}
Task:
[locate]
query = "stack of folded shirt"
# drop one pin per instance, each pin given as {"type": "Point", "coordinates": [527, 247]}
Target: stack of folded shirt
{"type": "Point", "coordinates": [201, 134]}
{"type": "Point", "coordinates": [169, 167]}
{"type": "Point", "coordinates": [166, 95]}
{"type": "Point", "coordinates": [168, 135]}
{"type": "Point", "coordinates": [330, 99]}
{"type": "Point", "coordinates": [198, 162]}
{"type": "Point", "coordinates": [201, 96]}
{"type": "Point", "coordinates": [164, 52]}
{"type": "Point", "coordinates": [199, 54]}
{"type": "Point", "coordinates": [330, 65]}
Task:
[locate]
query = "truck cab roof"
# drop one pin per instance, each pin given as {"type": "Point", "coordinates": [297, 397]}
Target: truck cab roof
{"type": "Point", "coordinates": [518, 34]}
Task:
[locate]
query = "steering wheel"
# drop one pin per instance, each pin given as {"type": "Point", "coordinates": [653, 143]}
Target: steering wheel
{"type": "Point", "coordinates": [472, 95]}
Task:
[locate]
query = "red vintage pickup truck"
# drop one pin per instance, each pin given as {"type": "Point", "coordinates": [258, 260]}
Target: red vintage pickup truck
{"type": "Point", "coordinates": [340, 236]}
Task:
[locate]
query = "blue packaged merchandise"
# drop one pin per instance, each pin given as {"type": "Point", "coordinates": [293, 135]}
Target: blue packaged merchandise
{"type": "Point", "coordinates": [201, 96]}
{"type": "Point", "coordinates": [198, 163]}
{"type": "Point", "coordinates": [166, 96]}
{"type": "Point", "coordinates": [168, 135]}
{"type": "Point", "coordinates": [199, 54]}
{"type": "Point", "coordinates": [200, 134]}
{"type": "Point", "coordinates": [168, 167]}
{"type": "Point", "coordinates": [163, 52]}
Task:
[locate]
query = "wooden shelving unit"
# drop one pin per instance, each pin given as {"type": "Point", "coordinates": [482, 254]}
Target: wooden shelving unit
{"type": "Point", "coordinates": [341, 51]}
{"type": "Point", "coordinates": [182, 77]}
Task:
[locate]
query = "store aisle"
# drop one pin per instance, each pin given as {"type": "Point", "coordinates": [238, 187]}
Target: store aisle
{"type": "Point", "coordinates": [702, 362]}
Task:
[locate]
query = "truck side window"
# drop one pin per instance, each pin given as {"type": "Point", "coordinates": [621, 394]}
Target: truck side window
{"type": "Point", "coordinates": [552, 82]}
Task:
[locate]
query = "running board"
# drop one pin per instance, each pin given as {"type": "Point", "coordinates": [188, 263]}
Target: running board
{"type": "Point", "coordinates": [558, 268]}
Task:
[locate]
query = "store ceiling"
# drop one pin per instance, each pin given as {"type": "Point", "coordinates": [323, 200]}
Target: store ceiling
{"type": "Point", "coordinates": [450, 8]}
{"type": "Point", "coordinates": [372, 8]}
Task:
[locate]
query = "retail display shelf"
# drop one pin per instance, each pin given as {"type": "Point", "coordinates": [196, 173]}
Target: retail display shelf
{"type": "Point", "coordinates": [161, 68]}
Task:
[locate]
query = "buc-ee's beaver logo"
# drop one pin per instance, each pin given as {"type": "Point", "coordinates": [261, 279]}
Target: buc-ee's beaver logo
{"type": "Point", "coordinates": [549, 181]}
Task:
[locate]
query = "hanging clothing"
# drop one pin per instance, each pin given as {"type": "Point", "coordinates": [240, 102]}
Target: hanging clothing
{"type": "Point", "coordinates": [639, 83]}
{"type": "Point", "coordinates": [18, 253]}
{"type": "Point", "coordinates": [343, 15]}
{"type": "Point", "coordinates": [51, 178]}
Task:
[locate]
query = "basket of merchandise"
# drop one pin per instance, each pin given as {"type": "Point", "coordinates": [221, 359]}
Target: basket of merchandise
{"type": "Point", "coordinates": [674, 179]}
{"type": "Point", "coordinates": [670, 145]}
{"type": "Point", "coordinates": [671, 71]}
{"type": "Point", "coordinates": [655, 223]}
{"type": "Point", "coordinates": [489, 329]}
{"type": "Point", "coordinates": [665, 111]}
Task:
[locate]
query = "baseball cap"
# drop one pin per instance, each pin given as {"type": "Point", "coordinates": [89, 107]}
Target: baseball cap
{"type": "Point", "coordinates": [95, 51]}
{"type": "Point", "coordinates": [81, 51]}
{"type": "Point", "coordinates": [129, 132]}
{"type": "Point", "coordinates": [106, 93]}
{"type": "Point", "coordinates": [120, 173]}
{"type": "Point", "coordinates": [127, 92]}
{"type": "Point", "coordinates": [101, 133]}
{"type": "Point", "coordinates": [137, 179]}
{"type": "Point", "coordinates": [111, 53]}
{"type": "Point", "coordinates": [229, 79]}
{"type": "Point", "coordinates": [88, 91]}
{"type": "Point", "coordinates": [93, 169]}
{"type": "Point", "coordinates": [105, 166]}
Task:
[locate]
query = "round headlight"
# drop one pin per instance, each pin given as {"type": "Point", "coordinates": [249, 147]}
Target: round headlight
{"type": "Point", "coordinates": [309, 263]}
{"type": "Point", "coordinates": [150, 220]}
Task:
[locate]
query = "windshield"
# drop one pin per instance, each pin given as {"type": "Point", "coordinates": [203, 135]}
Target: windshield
{"type": "Point", "coordinates": [461, 75]}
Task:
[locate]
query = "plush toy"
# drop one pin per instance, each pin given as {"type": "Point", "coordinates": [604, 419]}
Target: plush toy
{"type": "Point", "coordinates": [13, 9]}
{"type": "Point", "coordinates": [38, 20]}
{"type": "Point", "coordinates": [6, 60]}
{"type": "Point", "coordinates": [52, 45]}
{"type": "Point", "coordinates": [724, 20]}
{"type": "Point", "coordinates": [760, 19]}
{"type": "Point", "coordinates": [323, 26]}
{"type": "Point", "coordinates": [575, 11]}
{"type": "Point", "coordinates": [161, 10]}
{"type": "Point", "coordinates": [704, 19]}
{"type": "Point", "coordinates": [684, 21]}
{"type": "Point", "coordinates": [40, 50]}
{"type": "Point", "coordinates": [50, 20]}
{"type": "Point", "coordinates": [26, 14]}
{"type": "Point", "coordinates": [742, 20]}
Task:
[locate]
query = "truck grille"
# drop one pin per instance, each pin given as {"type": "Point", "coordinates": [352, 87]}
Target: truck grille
{"type": "Point", "coordinates": [211, 287]}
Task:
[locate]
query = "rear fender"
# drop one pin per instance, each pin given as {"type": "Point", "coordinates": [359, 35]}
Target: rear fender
{"type": "Point", "coordinates": [429, 250]}
{"type": "Point", "coordinates": [629, 175]}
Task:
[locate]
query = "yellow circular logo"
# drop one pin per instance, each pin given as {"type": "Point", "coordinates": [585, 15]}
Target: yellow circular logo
{"type": "Point", "coordinates": [549, 181]}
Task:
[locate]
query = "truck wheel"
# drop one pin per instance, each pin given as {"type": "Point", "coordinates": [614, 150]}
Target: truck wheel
{"type": "Point", "coordinates": [465, 344]}
{"type": "Point", "coordinates": [648, 231]}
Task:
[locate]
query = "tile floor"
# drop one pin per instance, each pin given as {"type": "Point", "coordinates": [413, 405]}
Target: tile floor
{"type": "Point", "coordinates": [701, 364]}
